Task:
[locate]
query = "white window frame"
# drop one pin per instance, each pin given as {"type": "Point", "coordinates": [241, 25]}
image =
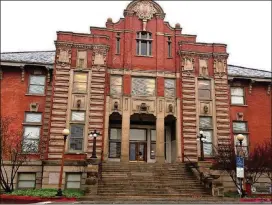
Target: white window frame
{"type": "Point", "coordinates": [243, 96]}
{"type": "Point", "coordinates": [148, 40]}
{"type": "Point", "coordinates": [73, 173]}
{"type": "Point", "coordinates": [26, 173]}
{"type": "Point", "coordinates": [32, 84]}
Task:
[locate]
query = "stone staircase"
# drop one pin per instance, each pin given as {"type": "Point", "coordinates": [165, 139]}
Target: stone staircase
{"type": "Point", "coordinates": [148, 180]}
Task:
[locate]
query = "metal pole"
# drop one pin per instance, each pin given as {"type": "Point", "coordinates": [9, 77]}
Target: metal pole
{"type": "Point", "coordinates": [59, 193]}
{"type": "Point", "coordinates": [94, 148]}
{"type": "Point", "coordinates": [201, 148]}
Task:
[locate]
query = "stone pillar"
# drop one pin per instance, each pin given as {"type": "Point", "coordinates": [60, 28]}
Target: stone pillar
{"type": "Point", "coordinates": [178, 134]}
{"type": "Point", "coordinates": [125, 130]}
{"type": "Point", "coordinates": [106, 129]}
{"type": "Point", "coordinates": [160, 138]}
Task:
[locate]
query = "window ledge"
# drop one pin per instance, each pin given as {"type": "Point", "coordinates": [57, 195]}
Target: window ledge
{"type": "Point", "coordinates": [144, 56]}
{"type": "Point", "coordinates": [32, 124]}
{"type": "Point", "coordinates": [169, 57]}
{"type": "Point", "coordinates": [38, 95]}
{"type": "Point", "coordinates": [75, 153]}
{"type": "Point", "coordinates": [238, 105]}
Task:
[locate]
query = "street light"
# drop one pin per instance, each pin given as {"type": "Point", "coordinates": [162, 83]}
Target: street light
{"type": "Point", "coordinates": [201, 137]}
{"type": "Point", "coordinates": [65, 133]}
{"type": "Point", "coordinates": [240, 138]}
{"type": "Point", "coordinates": [94, 135]}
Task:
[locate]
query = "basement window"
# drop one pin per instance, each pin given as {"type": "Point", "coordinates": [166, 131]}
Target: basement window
{"type": "Point", "coordinates": [26, 180]}
{"type": "Point", "coordinates": [73, 180]}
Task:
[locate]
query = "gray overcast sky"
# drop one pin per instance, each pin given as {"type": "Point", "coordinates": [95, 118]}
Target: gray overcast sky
{"type": "Point", "coordinates": [244, 25]}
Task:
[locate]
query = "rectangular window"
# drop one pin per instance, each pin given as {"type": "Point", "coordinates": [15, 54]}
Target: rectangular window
{"type": "Point", "coordinates": [31, 135]}
{"type": "Point", "coordinates": [204, 89]}
{"type": "Point", "coordinates": [206, 125]}
{"type": "Point", "coordinates": [116, 85]}
{"type": "Point", "coordinates": [169, 47]}
{"type": "Point", "coordinates": [115, 143]}
{"type": "Point", "coordinates": [118, 44]}
{"type": "Point", "coordinates": [80, 82]}
{"type": "Point", "coordinates": [33, 117]}
{"type": "Point", "coordinates": [81, 59]}
{"type": "Point", "coordinates": [153, 144]}
{"type": "Point", "coordinates": [169, 88]}
{"type": "Point", "coordinates": [241, 128]}
{"type": "Point", "coordinates": [73, 180]}
{"type": "Point", "coordinates": [144, 44]}
{"type": "Point", "coordinates": [36, 84]}
{"type": "Point", "coordinates": [76, 137]}
{"type": "Point", "coordinates": [78, 116]}
{"type": "Point", "coordinates": [26, 180]}
{"type": "Point", "coordinates": [237, 96]}
{"type": "Point", "coordinates": [81, 63]}
{"type": "Point", "coordinates": [143, 86]}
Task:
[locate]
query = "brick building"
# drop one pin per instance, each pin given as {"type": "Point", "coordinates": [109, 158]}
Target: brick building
{"type": "Point", "coordinates": [144, 85]}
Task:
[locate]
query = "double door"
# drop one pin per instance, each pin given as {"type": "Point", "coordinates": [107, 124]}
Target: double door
{"type": "Point", "coordinates": [137, 151]}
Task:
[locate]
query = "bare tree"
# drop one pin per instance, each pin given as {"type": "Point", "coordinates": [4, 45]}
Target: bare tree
{"type": "Point", "coordinates": [14, 152]}
{"type": "Point", "coordinates": [257, 162]}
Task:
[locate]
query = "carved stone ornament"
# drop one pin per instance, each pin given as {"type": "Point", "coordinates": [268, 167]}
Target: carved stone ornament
{"type": "Point", "coordinates": [170, 108]}
{"type": "Point", "coordinates": [34, 107]}
{"type": "Point", "coordinates": [143, 108]}
{"type": "Point", "coordinates": [220, 66]}
{"type": "Point", "coordinates": [144, 10]}
{"type": "Point", "coordinates": [269, 89]}
{"type": "Point", "coordinates": [22, 73]}
{"type": "Point", "coordinates": [99, 55]}
{"type": "Point", "coordinates": [205, 109]}
{"type": "Point", "coordinates": [115, 105]}
{"type": "Point", "coordinates": [240, 116]}
{"type": "Point", "coordinates": [250, 86]}
{"type": "Point", "coordinates": [64, 56]}
{"type": "Point", "coordinates": [188, 64]}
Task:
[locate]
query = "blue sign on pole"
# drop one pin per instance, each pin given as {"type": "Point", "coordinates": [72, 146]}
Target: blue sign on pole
{"type": "Point", "coordinates": [240, 162]}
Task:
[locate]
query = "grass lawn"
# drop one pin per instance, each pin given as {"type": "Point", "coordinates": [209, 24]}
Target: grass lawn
{"type": "Point", "coordinates": [47, 193]}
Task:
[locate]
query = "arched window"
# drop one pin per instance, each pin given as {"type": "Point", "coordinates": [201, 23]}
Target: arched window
{"type": "Point", "coordinates": [144, 43]}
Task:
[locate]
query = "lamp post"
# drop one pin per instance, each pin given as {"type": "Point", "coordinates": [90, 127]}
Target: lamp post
{"type": "Point", "coordinates": [65, 133]}
{"type": "Point", "coordinates": [94, 135]}
{"type": "Point", "coordinates": [240, 156]}
{"type": "Point", "coordinates": [201, 137]}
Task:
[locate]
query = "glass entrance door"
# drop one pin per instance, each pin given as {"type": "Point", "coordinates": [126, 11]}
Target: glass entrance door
{"type": "Point", "coordinates": [137, 145]}
{"type": "Point", "coordinates": [137, 151]}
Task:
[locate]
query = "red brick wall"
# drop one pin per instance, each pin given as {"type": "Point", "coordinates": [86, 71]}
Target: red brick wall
{"type": "Point", "coordinates": [14, 101]}
{"type": "Point", "coordinates": [257, 113]}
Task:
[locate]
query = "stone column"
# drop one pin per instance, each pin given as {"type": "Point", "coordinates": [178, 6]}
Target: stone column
{"type": "Point", "coordinates": [106, 129]}
{"type": "Point", "coordinates": [125, 130]}
{"type": "Point", "coordinates": [178, 134]}
{"type": "Point", "coordinates": [160, 138]}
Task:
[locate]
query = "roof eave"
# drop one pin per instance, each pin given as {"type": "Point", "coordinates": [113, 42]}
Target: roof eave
{"type": "Point", "coordinates": [22, 63]}
{"type": "Point", "coordinates": [257, 79]}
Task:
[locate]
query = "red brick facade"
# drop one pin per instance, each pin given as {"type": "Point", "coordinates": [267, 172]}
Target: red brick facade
{"type": "Point", "coordinates": [257, 110]}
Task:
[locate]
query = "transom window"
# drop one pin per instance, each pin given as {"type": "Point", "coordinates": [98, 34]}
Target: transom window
{"type": "Point", "coordinates": [76, 137]}
{"type": "Point", "coordinates": [144, 43]}
{"type": "Point", "coordinates": [205, 124]}
{"type": "Point", "coordinates": [80, 82]}
{"type": "Point", "coordinates": [36, 84]}
{"type": "Point", "coordinates": [169, 88]}
{"type": "Point", "coordinates": [204, 89]}
{"type": "Point", "coordinates": [143, 86]}
{"type": "Point", "coordinates": [116, 85]}
{"type": "Point", "coordinates": [32, 129]}
{"type": "Point", "coordinates": [237, 96]}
